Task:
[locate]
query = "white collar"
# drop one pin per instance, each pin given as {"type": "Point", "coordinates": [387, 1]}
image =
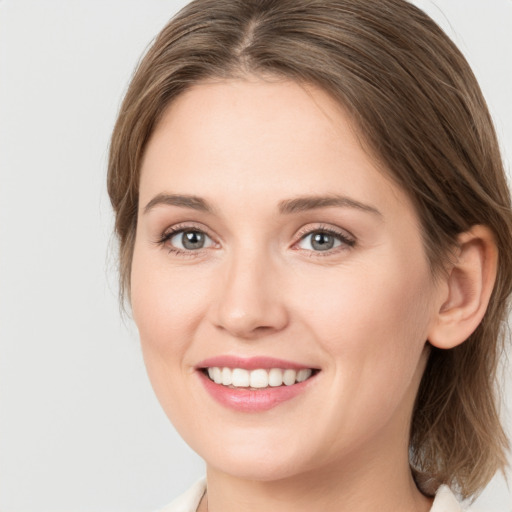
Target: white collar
{"type": "Point", "coordinates": [445, 500]}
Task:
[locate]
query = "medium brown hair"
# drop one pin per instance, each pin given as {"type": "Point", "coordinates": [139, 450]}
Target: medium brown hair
{"type": "Point", "coordinates": [421, 113]}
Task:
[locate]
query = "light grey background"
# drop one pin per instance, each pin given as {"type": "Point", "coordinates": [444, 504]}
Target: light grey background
{"type": "Point", "coordinates": [80, 429]}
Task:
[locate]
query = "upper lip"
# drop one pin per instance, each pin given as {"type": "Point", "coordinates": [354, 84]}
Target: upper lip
{"type": "Point", "coordinates": [250, 363]}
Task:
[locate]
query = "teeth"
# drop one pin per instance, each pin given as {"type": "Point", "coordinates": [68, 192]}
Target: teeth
{"type": "Point", "coordinates": [217, 376]}
{"type": "Point", "coordinates": [241, 378]}
{"type": "Point", "coordinates": [289, 377]}
{"type": "Point", "coordinates": [227, 377]}
{"type": "Point", "coordinates": [275, 377]}
{"type": "Point", "coordinates": [259, 379]}
{"type": "Point", "coordinates": [303, 374]}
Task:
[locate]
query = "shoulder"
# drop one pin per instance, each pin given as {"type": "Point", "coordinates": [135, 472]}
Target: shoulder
{"type": "Point", "coordinates": [445, 501]}
{"type": "Point", "coordinates": [189, 500]}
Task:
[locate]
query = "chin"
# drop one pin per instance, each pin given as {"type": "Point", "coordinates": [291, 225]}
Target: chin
{"type": "Point", "coordinates": [257, 461]}
{"type": "Point", "coordinates": [260, 469]}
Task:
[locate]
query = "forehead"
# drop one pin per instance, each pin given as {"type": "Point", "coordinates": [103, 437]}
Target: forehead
{"type": "Point", "coordinates": [261, 141]}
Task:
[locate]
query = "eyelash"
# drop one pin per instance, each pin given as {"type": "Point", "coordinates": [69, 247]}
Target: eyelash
{"type": "Point", "coordinates": [175, 230]}
{"type": "Point", "coordinates": [346, 240]}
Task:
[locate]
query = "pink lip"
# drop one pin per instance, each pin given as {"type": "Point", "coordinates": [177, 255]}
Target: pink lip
{"type": "Point", "coordinates": [251, 400]}
{"type": "Point", "coordinates": [249, 363]}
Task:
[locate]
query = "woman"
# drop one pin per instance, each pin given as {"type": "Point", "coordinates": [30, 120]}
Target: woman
{"type": "Point", "coordinates": [315, 238]}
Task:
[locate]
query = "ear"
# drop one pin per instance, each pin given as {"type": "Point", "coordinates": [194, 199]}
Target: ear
{"type": "Point", "coordinates": [466, 289]}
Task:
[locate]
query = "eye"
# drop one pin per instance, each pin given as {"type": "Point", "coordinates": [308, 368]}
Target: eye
{"type": "Point", "coordinates": [190, 240]}
{"type": "Point", "coordinates": [184, 240]}
{"type": "Point", "coordinates": [322, 240]}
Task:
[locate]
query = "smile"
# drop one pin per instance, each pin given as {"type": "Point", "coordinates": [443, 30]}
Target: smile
{"type": "Point", "coordinates": [259, 378]}
{"type": "Point", "coordinates": [255, 384]}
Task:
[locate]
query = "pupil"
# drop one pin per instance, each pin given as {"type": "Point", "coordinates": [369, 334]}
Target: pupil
{"type": "Point", "coordinates": [192, 240]}
{"type": "Point", "coordinates": [322, 242]}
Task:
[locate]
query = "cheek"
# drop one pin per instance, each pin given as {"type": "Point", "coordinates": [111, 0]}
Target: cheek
{"type": "Point", "coordinates": [373, 322]}
{"type": "Point", "coordinates": [164, 314]}
{"type": "Point", "coordinates": [373, 326]}
{"type": "Point", "coordinates": [165, 309]}
{"type": "Point", "coordinates": [165, 304]}
{"type": "Point", "coordinates": [368, 302]}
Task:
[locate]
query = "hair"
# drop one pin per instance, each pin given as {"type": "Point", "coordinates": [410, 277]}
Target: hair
{"type": "Point", "coordinates": [420, 112]}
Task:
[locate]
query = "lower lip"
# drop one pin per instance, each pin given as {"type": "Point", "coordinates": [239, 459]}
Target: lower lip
{"type": "Point", "coordinates": [252, 400]}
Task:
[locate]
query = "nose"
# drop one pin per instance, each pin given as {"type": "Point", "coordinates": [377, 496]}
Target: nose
{"type": "Point", "coordinates": [250, 302]}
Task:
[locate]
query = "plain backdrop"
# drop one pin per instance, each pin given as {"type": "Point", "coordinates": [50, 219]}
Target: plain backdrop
{"type": "Point", "coordinates": [80, 429]}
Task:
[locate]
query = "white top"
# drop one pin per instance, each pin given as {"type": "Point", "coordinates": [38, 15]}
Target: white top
{"type": "Point", "coordinates": [189, 501]}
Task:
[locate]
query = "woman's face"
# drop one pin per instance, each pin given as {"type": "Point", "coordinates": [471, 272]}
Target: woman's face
{"type": "Point", "coordinates": [268, 240]}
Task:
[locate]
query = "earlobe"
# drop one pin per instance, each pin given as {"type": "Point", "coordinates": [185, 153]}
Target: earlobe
{"type": "Point", "coordinates": [467, 288]}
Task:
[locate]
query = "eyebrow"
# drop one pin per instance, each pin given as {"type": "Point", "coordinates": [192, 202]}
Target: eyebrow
{"type": "Point", "coordinates": [305, 203]}
{"type": "Point", "coordinates": [185, 201]}
{"type": "Point", "coordinates": [287, 206]}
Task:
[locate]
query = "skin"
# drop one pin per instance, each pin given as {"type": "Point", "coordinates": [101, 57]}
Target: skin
{"type": "Point", "coordinates": [360, 312]}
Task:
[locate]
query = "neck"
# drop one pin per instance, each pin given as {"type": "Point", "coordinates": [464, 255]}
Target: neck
{"type": "Point", "coordinates": [387, 486]}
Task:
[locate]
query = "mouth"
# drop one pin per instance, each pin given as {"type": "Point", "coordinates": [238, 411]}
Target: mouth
{"type": "Point", "coordinates": [259, 378]}
{"type": "Point", "coordinates": [254, 384]}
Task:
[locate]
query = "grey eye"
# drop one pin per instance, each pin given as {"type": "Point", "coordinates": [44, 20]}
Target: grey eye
{"type": "Point", "coordinates": [319, 241]}
{"type": "Point", "coordinates": [191, 240]}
